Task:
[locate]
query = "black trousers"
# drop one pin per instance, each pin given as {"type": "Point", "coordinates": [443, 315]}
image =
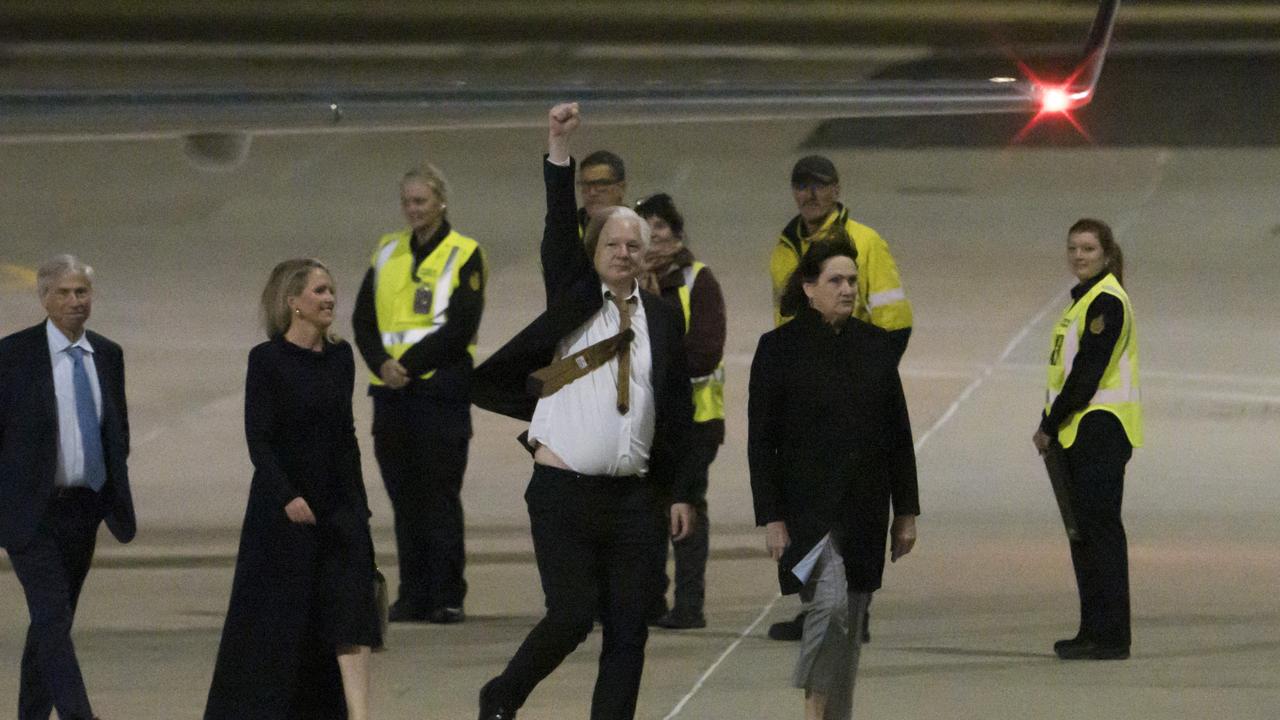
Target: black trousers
{"type": "Point", "coordinates": [422, 470]}
{"type": "Point", "coordinates": [1100, 557]}
{"type": "Point", "coordinates": [594, 540]}
{"type": "Point", "coordinates": [692, 552]}
{"type": "Point", "coordinates": [52, 569]}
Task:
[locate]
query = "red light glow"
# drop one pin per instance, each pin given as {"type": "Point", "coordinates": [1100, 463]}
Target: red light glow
{"type": "Point", "coordinates": [1057, 100]}
{"type": "Point", "coordinates": [1054, 100]}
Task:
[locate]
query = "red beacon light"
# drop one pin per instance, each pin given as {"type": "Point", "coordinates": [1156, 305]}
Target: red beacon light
{"type": "Point", "coordinates": [1059, 99]}
{"type": "Point", "coordinates": [1054, 100]}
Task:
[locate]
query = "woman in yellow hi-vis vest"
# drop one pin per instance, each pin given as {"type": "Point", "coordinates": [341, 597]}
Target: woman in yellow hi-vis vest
{"type": "Point", "coordinates": [1093, 419]}
{"type": "Point", "coordinates": [676, 276]}
{"type": "Point", "coordinates": [415, 324]}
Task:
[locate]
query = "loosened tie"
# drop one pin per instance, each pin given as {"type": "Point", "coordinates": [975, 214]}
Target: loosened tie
{"type": "Point", "coordinates": [95, 467]}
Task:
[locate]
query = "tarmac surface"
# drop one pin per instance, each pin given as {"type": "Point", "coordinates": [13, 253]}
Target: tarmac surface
{"type": "Point", "coordinates": [964, 625]}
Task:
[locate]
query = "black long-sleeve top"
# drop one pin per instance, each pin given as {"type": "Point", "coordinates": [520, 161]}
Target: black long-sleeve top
{"type": "Point", "coordinates": [444, 351]}
{"type": "Point", "coordinates": [1091, 359]}
{"type": "Point", "coordinates": [300, 431]}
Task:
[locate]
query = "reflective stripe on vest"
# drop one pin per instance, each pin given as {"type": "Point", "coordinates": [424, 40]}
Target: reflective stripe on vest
{"type": "Point", "coordinates": [708, 390]}
{"type": "Point", "coordinates": [396, 284]}
{"type": "Point", "coordinates": [1118, 392]}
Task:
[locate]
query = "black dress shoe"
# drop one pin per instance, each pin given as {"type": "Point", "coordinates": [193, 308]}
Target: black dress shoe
{"type": "Point", "coordinates": [491, 708]}
{"type": "Point", "coordinates": [401, 611]}
{"type": "Point", "coordinates": [788, 630]}
{"type": "Point", "coordinates": [866, 627]}
{"type": "Point", "coordinates": [446, 616]}
{"type": "Point", "coordinates": [680, 619]}
{"type": "Point", "coordinates": [1061, 645]}
{"type": "Point", "coordinates": [1084, 649]}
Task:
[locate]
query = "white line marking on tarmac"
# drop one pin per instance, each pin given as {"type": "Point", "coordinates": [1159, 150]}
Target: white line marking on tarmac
{"type": "Point", "coordinates": [1054, 302]}
{"type": "Point", "coordinates": [732, 646]}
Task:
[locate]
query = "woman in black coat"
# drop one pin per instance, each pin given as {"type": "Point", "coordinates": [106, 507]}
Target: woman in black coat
{"type": "Point", "coordinates": [830, 451]}
{"type": "Point", "coordinates": [302, 618]}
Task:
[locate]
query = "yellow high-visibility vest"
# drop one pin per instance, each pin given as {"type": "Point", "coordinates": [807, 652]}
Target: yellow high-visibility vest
{"type": "Point", "coordinates": [881, 300]}
{"type": "Point", "coordinates": [708, 390]}
{"type": "Point", "coordinates": [401, 291]}
{"type": "Point", "coordinates": [1118, 392]}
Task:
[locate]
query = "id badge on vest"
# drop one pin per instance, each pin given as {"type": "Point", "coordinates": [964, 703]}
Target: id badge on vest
{"type": "Point", "coordinates": [1059, 336]}
{"type": "Point", "coordinates": [422, 300]}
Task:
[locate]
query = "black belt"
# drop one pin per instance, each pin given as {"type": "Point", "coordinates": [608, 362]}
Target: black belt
{"type": "Point", "coordinates": [74, 493]}
{"type": "Point", "coordinates": [571, 475]}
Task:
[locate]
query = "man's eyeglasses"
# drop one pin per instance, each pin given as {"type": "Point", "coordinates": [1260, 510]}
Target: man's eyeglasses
{"type": "Point", "coordinates": [597, 184]}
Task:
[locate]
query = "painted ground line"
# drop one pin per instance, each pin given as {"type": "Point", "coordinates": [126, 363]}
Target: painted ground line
{"type": "Point", "coordinates": [1054, 302]}
{"type": "Point", "coordinates": [732, 646]}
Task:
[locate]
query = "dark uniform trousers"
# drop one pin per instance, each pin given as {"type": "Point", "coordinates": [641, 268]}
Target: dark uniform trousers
{"type": "Point", "coordinates": [422, 467]}
{"type": "Point", "coordinates": [1101, 556]}
{"type": "Point", "coordinates": [692, 552]}
{"type": "Point", "coordinates": [593, 539]}
{"type": "Point", "coordinates": [52, 570]}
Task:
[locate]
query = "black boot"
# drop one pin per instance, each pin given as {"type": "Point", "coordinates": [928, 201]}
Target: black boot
{"type": "Point", "coordinates": [788, 630]}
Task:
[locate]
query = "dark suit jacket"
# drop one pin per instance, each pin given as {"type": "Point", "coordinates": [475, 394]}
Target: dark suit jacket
{"type": "Point", "coordinates": [829, 441]}
{"type": "Point", "coordinates": [29, 435]}
{"type": "Point", "coordinates": [573, 296]}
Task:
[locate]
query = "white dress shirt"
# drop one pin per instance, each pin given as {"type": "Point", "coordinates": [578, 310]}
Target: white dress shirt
{"type": "Point", "coordinates": [580, 422]}
{"type": "Point", "coordinates": [70, 470]}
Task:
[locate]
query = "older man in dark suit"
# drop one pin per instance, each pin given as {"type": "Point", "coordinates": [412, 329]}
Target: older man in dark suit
{"type": "Point", "coordinates": [64, 443]}
{"type": "Point", "coordinates": [609, 418]}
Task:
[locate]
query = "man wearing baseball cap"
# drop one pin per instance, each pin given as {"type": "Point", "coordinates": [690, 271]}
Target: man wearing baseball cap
{"type": "Point", "coordinates": [881, 301]}
{"type": "Point", "coordinates": [815, 185]}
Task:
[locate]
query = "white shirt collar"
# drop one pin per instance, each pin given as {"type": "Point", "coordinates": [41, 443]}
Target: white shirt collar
{"type": "Point", "coordinates": [59, 342]}
{"type": "Point", "coordinates": [635, 291]}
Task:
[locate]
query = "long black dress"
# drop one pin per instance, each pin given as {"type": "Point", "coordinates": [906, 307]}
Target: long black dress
{"type": "Point", "coordinates": [300, 591]}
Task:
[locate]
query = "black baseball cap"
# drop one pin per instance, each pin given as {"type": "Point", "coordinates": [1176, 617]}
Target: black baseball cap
{"type": "Point", "coordinates": [814, 167]}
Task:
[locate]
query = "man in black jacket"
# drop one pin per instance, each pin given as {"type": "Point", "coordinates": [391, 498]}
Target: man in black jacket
{"type": "Point", "coordinates": [609, 418]}
{"type": "Point", "coordinates": [64, 445]}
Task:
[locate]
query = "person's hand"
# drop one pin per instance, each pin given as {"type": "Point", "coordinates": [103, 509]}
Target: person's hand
{"type": "Point", "coordinates": [300, 512]}
{"type": "Point", "coordinates": [683, 516]}
{"type": "Point", "coordinates": [776, 538]}
{"type": "Point", "coordinates": [562, 120]}
{"type": "Point", "coordinates": [393, 374]}
{"type": "Point", "coordinates": [1041, 441]}
{"type": "Point", "coordinates": [902, 535]}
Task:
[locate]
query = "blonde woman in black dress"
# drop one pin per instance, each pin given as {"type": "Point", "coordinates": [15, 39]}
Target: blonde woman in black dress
{"type": "Point", "coordinates": [302, 617]}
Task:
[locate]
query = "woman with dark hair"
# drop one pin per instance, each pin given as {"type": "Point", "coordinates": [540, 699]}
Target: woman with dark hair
{"type": "Point", "coordinates": [1091, 422]}
{"type": "Point", "coordinates": [831, 457]}
{"type": "Point", "coordinates": [674, 274]}
{"type": "Point", "coordinates": [302, 617]}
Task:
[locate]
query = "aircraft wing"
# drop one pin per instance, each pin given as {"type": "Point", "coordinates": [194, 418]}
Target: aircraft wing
{"type": "Point", "coordinates": [219, 118]}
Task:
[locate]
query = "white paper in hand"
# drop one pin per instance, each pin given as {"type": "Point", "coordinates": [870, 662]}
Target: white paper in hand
{"type": "Point", "coordinates": [804, 568]}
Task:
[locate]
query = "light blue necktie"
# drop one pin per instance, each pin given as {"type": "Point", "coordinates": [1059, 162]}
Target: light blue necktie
{"type": "Point", "coordinates": [95, 468]}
